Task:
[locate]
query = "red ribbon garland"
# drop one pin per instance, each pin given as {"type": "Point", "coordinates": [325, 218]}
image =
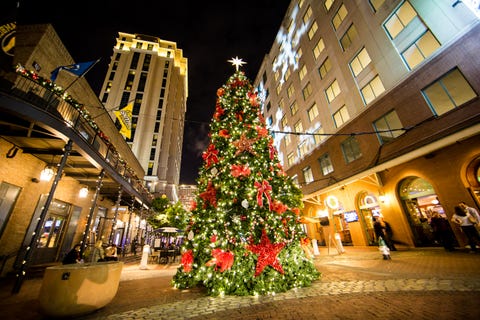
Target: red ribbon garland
{"type": "Point", "coordinates": [264, 188]}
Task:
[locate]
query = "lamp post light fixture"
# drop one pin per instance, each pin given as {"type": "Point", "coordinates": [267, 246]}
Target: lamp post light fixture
{"type": "Point", "coordinates": [83, 192]}
{"type": "Point", "coordinates": [47, 173]}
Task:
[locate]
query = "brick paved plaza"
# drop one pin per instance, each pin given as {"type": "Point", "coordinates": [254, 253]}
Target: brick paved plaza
{"type": "Point", "coordinates": [416, 284]}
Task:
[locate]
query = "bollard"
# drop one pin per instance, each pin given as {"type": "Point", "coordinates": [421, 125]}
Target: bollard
{"type": "Point", "coordinates": [145, 254]}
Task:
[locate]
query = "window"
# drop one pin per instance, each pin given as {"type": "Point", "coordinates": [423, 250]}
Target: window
{"type": "Point", "coordinates": [290, 90]}
{"type": "Point", "coordinates": [307, 15]}
{"type": "Point", "coordinates": [294, 108]}
{"type": "Point", "coordinates": [348, 37]}
{"type": "Point", "coordinates": [325, 164]}
{"type": "Point", "coordinates": [312, 112]}
{"type": "Point", "coordinates": [319, 47]}
{"type": "Point", "coordinates": [332, 91]}
{"type": "Point", "coordinates": [319, 136]}
{"type": "Point", "coordinates": [302, 73]}
{"type": "Point", "coordinates": [307, 91]}
{"type": "Point", "coordinates": [303, 148]}
{"type": "Point", "coordinates": [269, 121]}
{"type": "Point", "coordinates": [298, 126]}
{"type": "Point", "coordinates": [324, 68]}
{"type": "Point", "coordinates": [341, 116]}
{"type": "Point", "coordinates": [139, 45]}
{"type": "Point", "coordinates": [129, 81]}
{"type": "Point", "coordinates": [400, 19]}
{"type": "Point", "coordinates": [136, 57]}
{"type": "Point", "coordinates": [449, 92]}
{"type": "Point", "coordinates": [288, 72]}
{"type": "Point", "coordinates": [312, 30]}
{"type": "Point", "coordinates": [288, 140]}
{"type": "Point", "coordinates": [307, 174]}
{"type": "Point", "coordinates": [386, 127]}
{"type": "Point", "coordinates": [372, 90]}
{"type": "Point", "coordinates": [359, 62]}
{"type": "Point", "coordinates": [284, 122]}
{"type": "Point", "coordinates": [278, 89]}
{"type": "Point", "coordinates": [339, 16]}
{"type": "Point", "coordinates": [290, 158]}
{"type": "Point", "coordinates": [376, 4]}
{"type": "Point", "coordinates": [420, 49]}
{"type": "Point", "coordinates": [328, 4]}
{"type": "Point", "coordinates": [351, 149]}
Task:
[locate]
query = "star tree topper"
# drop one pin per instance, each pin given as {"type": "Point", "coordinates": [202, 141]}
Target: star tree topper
{"type": "Point", "coordinates": [237, 62]}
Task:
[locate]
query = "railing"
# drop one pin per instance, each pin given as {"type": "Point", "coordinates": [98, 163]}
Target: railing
{"type": "Point", "coordinates": [75, 116]}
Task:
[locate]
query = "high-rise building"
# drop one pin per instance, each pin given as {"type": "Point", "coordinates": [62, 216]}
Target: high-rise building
{"type": "Point", "coordinates": [149, 75]}
{"type": "Point", "coordinates": [374, 106]}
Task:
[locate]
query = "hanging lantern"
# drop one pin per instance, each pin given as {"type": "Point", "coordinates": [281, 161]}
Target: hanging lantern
{"type": "Point", "coordinates": [83, 192]}
{"type": "Point", "coordinates": [47, 173]}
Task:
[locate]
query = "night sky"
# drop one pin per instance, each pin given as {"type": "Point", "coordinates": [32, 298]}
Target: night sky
{"type": "Point", "coordinates": [209, 33]}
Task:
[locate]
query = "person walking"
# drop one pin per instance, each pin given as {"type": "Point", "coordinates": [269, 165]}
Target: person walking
{"type": "Point", "coordinates": [442, 231]}
{"type": "Point", "coordinates": [383, 230]}
{"type": "Point", "coordinates": [461, 218]}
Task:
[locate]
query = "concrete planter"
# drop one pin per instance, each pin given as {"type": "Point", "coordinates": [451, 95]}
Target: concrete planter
{"type": "Point", "coordinates": [76, 289]}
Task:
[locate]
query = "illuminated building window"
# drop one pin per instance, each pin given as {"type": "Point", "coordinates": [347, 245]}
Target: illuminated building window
{"type": "Point", "coordinates": [302, 73]}
{"type": "Point", "coordinates": [376, 4]}
{"type": "Point", "coordinates": [307, 91]}
{"type": "Point", "coordinates": [284, 122]}
{"type": "Point", "coordinates": [307, 174]}
{"type": "Point", "coordinates": [449, 92]}
{"type": "Point", "coordinates": [400, 19]}
{"type": "Point", "coordinates": [279, 89]}
{"type": "Point", "coordinates": [298, 126]}
{"type": "Point", "coordinates": [312, 30]}
{"type": "Point", "coordinates": [351, 149]}
{"type": "Point", "coordinates": [303, 148]}
{"type": "Point", "coordinates": [281, 103]}
{"type": "Point", "coordinates": [319, 137]}
{"type": "Point", "coordinates": [290, 91]}
{"type": "Point", "coordinates": [290, 158]}
{"type": "Point", "coordinates": [312, 112]}
{"type": "Point", "coordinates": [332, 91]}
{"type": "Point", "coordinates": [328, 4]}
{"type": "Point", "coordinates": [341, 116]}
{"type": "Point", "coordinates": [420, 49]}
{"type": "Point", "coordinates": [319, 47]}
{"type": "Point", "coordinates": [324, 68]}
{"type": "Point", "coordinates": [372, 90]}
{"type": "Point", "coordinates": [386, 125]}
{"type": "Point", "coordinates": [359, 62]}
{"type": "Point", "coordinates": [349, 37]}
{"type": "Point", "coordinates": [294, 108]}
{"type": "Point", "coordinates": [307, 15]}
{"type": "Point", "coordinates": [288, 140]}
{"type": "Point", "coordinates": [300, 3]}
{"type": "Point", "coordinates": [339, 16]}
{"type": "Point", "coordinates": [325, 164]}
{"type": "Point", "coordinates": [288, 72]}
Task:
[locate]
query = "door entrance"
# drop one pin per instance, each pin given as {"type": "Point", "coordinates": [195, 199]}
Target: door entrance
{"type": "Point", "coordinates": [420, 202]}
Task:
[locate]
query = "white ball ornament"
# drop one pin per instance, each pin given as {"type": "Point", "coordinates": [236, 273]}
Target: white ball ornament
{"type": "Point", "coordinates": [190, 235]}
{"type": "Point", "coordinates": [245, 203]}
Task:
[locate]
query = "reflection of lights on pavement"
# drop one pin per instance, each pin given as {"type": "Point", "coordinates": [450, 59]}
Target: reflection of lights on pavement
{"type": "Point", "coordinates": [287, 55]}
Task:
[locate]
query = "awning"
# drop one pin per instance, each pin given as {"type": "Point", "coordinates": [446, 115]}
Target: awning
{"type": "Point", "coordinates": [167, 230]}
{"type": "Point", "coordinates": [304, 219]}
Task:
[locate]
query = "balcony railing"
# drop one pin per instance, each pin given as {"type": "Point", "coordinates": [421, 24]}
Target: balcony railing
{"type": "Point", "coordinates": [50, 98]}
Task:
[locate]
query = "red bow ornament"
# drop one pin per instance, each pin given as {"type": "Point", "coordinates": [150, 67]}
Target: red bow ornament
{"type": "Point", "coordinates": [264, 188]}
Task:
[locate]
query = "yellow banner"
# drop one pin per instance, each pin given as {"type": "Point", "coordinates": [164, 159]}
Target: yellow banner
{"type": "Point", "coordinates": [125, 117]}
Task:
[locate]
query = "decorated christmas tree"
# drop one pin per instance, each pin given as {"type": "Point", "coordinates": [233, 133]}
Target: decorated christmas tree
{"type": "Point", "coordinates": [245, 236]}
